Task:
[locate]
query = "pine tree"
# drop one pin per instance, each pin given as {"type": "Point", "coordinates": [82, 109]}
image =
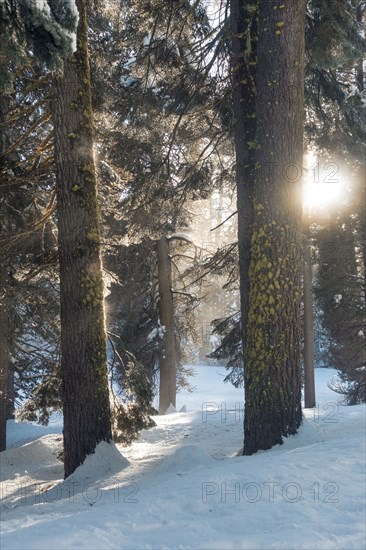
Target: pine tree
{"type": "Point", "coordinates": [162, 140]}
{"type": "Point", "coordinates": [336, 126]}
{"type": "Point", "coordinates": [272, 360]}
{"type": "Point", "coordinates": [31, 32]}
{"type": "Point", "coordinates": [83, 346]}
{"type": "Point", "coordinates": [339, 294]}
{"type": "Point", "coordinates": [335, 122]}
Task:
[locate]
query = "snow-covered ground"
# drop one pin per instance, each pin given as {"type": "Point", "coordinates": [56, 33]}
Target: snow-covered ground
{"type": "Point", "coordinates": [182, 484]}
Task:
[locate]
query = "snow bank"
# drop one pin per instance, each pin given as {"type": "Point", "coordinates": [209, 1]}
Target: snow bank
{"type": "Point", "coordinates": [183, 460]}
{"type": "Point", "coordinates": [106, 460]}
{"type": "Point", "coordinates": [187, 487]}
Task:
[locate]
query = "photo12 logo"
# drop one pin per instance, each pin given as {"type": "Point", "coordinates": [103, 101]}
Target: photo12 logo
{"type": "Point", "coordinates": [72, 491]}
{"type": "Point", "coordinates": [269, 491]}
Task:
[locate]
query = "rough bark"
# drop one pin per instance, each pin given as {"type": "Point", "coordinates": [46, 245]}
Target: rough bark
{"type": "Point", "coordinates": [168, 360]}
{"type": "Point", "coordinates": [4, 306]}
{"type": "Point", "coordinates": [4, 355]}
{"type": "Point", "coordinates": [362, 215]}
{"type": "Point", "coordinates": [83, 345]}
{"type": "Point", "coordinates": [244, 38]}
{"type": "Point", "coordinates": [272, 368]}
{"type": "Point", "coordinates": [309, 381]}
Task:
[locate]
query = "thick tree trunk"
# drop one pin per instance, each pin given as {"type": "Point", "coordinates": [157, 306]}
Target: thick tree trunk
{"type": "Point", "coordinates": [309, 381]}
{"type": "Point", "coordinates": [363, 240]}
{"type": "Point", "coordinates": [244, 31]}
{"type": "Point", "coordinates": [168, 361]}
{"type": "Point", "coordinates": [83, 345]}
{"type": "Point", "coordinates": [361, 86]}
{"type": "Point", "coordinates": [272, 368]}
{"type": "Point", "coordinates": [4, 303]}
{"type": "Point", "coordinates": [4, 355]}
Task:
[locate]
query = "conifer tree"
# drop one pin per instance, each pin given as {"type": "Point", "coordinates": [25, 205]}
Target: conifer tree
{"type": "Point", "coordinates": [83, 346]}
{"type": "Point", "coordinates": [30, 31]}
{"type": "Point", "coordinates": [338, 291]}
{"type": "Point", "coordinates": [272, 359]}
{"type": "Point", "coordinates": [160, 149]}
{"type": "Point", "coordinates": [336, 126]}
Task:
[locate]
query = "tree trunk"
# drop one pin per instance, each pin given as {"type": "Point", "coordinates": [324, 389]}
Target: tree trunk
{"type": "Point", "coordinates": [272, 369]}
{"type": "Point", "coordinates": [4, 355]}
{"type": "Point", "coordinates": [359, 69]}
{"type": "Point", "coordinates": [362, 216]}
{"type": "Point", "coordinates": [4, 301]}
{"type": "Point", "coordinates": [83, 344]}
{"type": "Point", "coordinates": [309, 382]}
{"type": "Point", "coordinates": [244, 28]}
{"type": "Point", "coordinates": [10, 408]}
{"type": "Point", "coordinates": [168, 361]}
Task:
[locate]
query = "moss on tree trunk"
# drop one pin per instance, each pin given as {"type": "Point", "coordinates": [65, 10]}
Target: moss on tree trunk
{"type": "Point", "coordinates": [83, 345]}
{"type": "Point", "coordinates": [272, 362]}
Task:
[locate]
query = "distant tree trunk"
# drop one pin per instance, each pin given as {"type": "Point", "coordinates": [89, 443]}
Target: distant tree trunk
{"type": "Point", "coordinates": [309, 381]}
{"type": "Point", "coordinates": [10, 409]}
{"type": "Point", "coordinates": [244, 39]}
{"type": "Point", "coordinates": [272, 377]}
{"type": "Point", "coordinates": [359, 69]}
{"type": "Point", "coordinates": [83, 344]}
{"type": "Point", "coordinates": [168, 361]}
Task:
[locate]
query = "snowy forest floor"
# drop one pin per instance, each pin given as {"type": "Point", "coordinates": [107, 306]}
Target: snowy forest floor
{"type": "Point", "coordinates": [183, 485]}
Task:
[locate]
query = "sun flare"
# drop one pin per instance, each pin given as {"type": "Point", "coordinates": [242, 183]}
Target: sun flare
{"type": "Point", "coordinates": [325, 185]}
